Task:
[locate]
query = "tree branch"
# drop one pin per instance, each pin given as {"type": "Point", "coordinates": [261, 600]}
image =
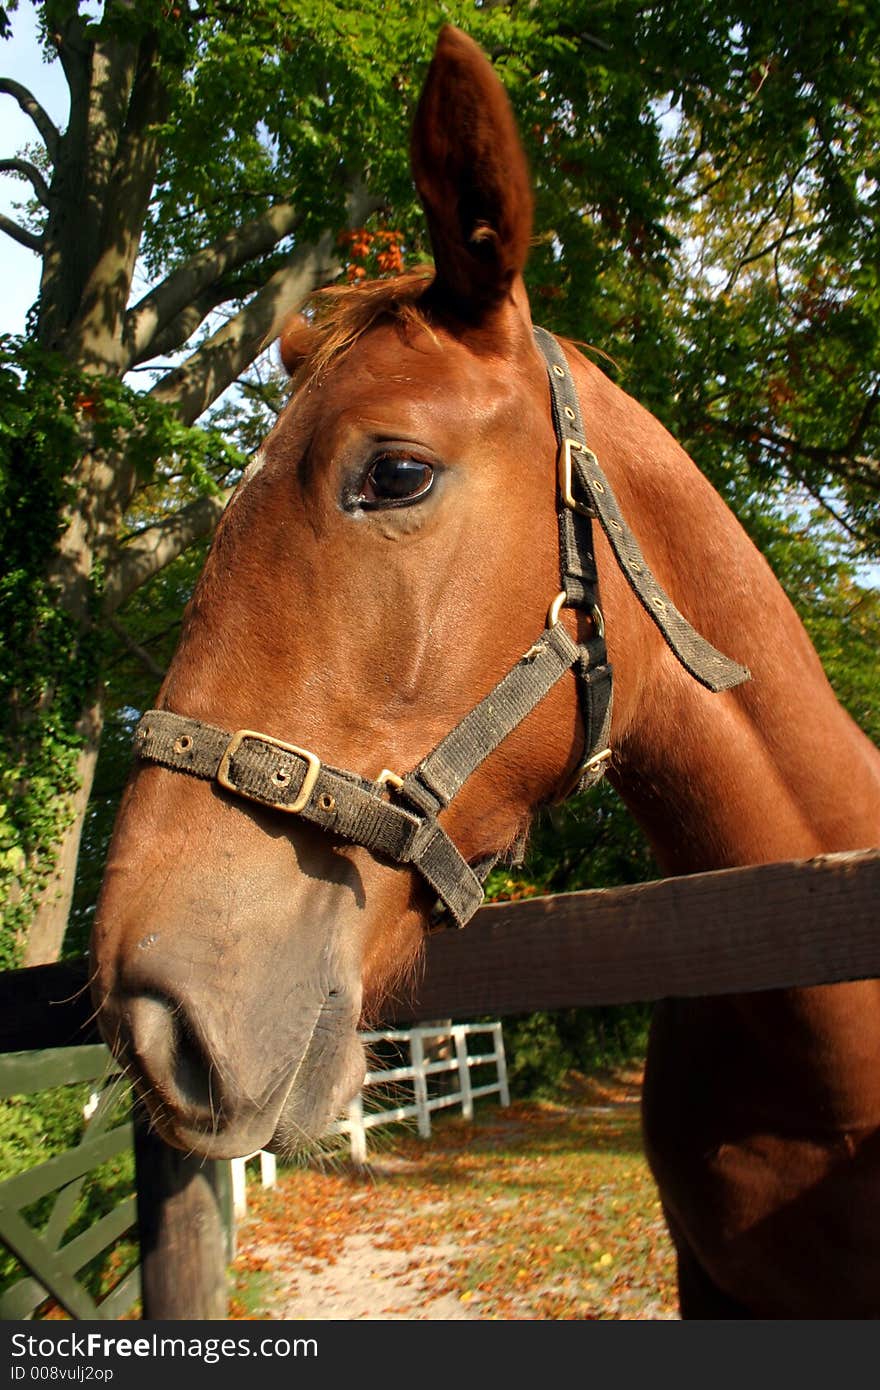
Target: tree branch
{"type": "Point", "coordinates": [20, 234]}
{"type": "Point", "coordinates": [149, 318]}
{"type": "Point", "coordinates": [751, 255]}
{"type": "Point", "coordinates": [172, 337]}
{"type": "Point", "coordinates": [51, 136]}
{"type": "Point", "coordinates": [152, 549]}
{"type": "Point", "coordinates": [840, 462]}
{"type": "Point", "coordinates": [28, 171]}
{"type": "Point", "coordinates": [152, 667]}
{"type": "Point", "coordinates": [215, 365]}
{"type": "Point", "coordinates": [864, 419]}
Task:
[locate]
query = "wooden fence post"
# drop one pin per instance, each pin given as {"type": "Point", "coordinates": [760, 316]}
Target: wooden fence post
{"type": "Point", "coordinates": [464, 1071]}
{"type": "Point", "coordinates": [184, 1211]}
{"type": "Point", "coordinates": [357, 1134]}
{"type": "Point", "coordinates": [501, 1064]}
{"type": "Point", "coordinates": [420, 1083]}
{"type": "Point", "coordinates": [238, 1175]}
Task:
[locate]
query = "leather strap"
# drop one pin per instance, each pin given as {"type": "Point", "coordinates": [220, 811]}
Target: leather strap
{"type": "Point", "coordinates": [284, 778]}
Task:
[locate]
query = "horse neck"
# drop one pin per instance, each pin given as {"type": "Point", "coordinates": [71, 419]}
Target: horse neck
{"type": "Point", "coordinates": [773, 770]}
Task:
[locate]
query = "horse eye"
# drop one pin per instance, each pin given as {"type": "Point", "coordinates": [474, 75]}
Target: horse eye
{"type": "Point", "coordinates": [395, 481]}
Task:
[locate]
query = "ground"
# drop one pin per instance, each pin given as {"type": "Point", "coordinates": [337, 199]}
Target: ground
{"type": "Point", "coordinates": [539, 1210]}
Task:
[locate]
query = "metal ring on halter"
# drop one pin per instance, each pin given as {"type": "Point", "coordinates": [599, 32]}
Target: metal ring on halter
{"type": "Point", "coordinates": [556, 608]}
{"type": "Point", "coordinates": [558, 604]}
{"type": "Point", "coordinates": [387, 778]}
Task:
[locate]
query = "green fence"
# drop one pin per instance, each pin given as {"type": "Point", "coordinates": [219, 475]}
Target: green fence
{"type": "Point", "coordinates": [38, 1206]}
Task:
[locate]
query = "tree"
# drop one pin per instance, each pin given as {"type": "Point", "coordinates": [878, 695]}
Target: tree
{"type": "Point", "coordinates": [706, 184]}
{"type": "Point", "coordinates": [233, 233]}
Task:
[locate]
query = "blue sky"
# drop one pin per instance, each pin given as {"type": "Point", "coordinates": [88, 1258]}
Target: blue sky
{"type": "Point", "coordinates": [21, 59]}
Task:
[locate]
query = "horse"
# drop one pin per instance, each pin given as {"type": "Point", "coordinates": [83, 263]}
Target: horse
{"type": "Point", "coordinates": [390, 563]}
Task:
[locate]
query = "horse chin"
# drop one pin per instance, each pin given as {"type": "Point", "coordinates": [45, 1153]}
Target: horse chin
{"type": "Point", "coordinates": [308, 1115]}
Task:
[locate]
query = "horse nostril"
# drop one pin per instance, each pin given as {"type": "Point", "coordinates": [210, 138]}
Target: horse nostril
{"type": "Point", "coordinates": [193, 1068]}
{"type": "Point", "coordinates": [171, 1054]}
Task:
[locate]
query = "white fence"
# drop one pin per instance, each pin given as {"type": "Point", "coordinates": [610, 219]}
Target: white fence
{"type": "Point", "coordinates": [420, 1040]}
{"type": "Point", "coordinates": [268, 1175]}
{"type": "Point", "coordinates": [424, 1044]}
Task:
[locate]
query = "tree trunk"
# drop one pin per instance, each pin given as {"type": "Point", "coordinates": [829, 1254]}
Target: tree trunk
{"type": "Point", "coordinates": [87, 523]}
{"type": "Point", "coordinates": [49, 923]}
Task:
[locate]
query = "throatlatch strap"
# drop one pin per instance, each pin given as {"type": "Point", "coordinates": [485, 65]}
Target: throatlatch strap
{"type": "Point", "coordinates": [704, 662]}
{"type": "Point", "coordinates": [448, 766]}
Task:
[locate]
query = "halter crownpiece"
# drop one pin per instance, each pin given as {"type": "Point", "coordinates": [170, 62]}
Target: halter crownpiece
{"type": "Point", "coordinates": [396, 817]}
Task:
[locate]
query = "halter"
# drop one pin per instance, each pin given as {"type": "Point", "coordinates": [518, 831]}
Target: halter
{"type": "Point", "coordinates": [396, 817]}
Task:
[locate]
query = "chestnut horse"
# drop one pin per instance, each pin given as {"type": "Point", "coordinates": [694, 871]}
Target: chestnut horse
{"type": "Point", "coordinates": [387, 558]}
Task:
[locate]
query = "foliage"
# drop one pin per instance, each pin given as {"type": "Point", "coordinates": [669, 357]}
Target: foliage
{"type": "Point", "coordinates": [36, 1127]}
{"type": "Point", "coordinates": [544, 1049]}
{"type": "Point", "coordinates": [708, 201]}
{"type": "Point", "coordinates": [132, 674]}
{"type": "Point", "coordinates": [50, 414]}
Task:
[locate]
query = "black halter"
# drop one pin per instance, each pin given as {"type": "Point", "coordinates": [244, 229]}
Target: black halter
{"type": "Point", "coordinates": [396, 817]}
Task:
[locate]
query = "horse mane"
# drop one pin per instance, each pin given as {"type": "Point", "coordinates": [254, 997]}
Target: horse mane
{"type": "Point", "coordinates": [339, 315]}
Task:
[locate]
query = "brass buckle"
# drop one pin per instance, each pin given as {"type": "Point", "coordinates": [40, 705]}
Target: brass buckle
{"type": "Point", "coordinates": [565, 472]}
{"type": "Point", "coordinates": [556, 608]}
{"type": "Point", "coordinates": [588, 765]}
{"type": "Point", "coordinates": [309, 780]}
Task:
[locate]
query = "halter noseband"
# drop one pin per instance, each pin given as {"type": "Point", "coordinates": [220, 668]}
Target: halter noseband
{"type": "Point", "coordinates": [397, 817]}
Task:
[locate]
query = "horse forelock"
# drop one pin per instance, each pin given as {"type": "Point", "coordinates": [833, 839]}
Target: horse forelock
{"type": "Point", "coordinates": [338, 316]}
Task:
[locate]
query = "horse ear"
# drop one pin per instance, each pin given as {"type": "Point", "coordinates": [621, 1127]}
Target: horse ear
{"type": "Point", "coordinates": [295, 342]}
{"type": "Point", "coordinates": [472, 177]}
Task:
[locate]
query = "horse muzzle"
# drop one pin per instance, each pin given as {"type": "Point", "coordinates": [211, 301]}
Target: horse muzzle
{"type": "Point", "coordinates": [212, 1087]}
{"type": "Point", "coordinates": [236, 1034]}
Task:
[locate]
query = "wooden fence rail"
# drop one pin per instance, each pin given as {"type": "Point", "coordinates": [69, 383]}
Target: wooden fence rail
{"type": "Point", "coordinates": [769, 926]}
{"type": "Point", "coordinates": [39, 1245]}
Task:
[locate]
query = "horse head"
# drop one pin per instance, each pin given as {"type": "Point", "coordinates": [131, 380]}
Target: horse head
{"type": "Point", "coordinates": [388, 556]}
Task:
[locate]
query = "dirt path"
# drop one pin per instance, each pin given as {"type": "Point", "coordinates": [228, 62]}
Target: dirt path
{"type": "Point", "coordinates": [364, 1281]}
{"type": "Point", "coordinates": [537, 1211]}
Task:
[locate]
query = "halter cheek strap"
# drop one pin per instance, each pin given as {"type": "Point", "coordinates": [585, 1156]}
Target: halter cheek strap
{"type": "Point", "coordinates": [396, 817]}
{"type": "Point", "coordinates": [586, 492]}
